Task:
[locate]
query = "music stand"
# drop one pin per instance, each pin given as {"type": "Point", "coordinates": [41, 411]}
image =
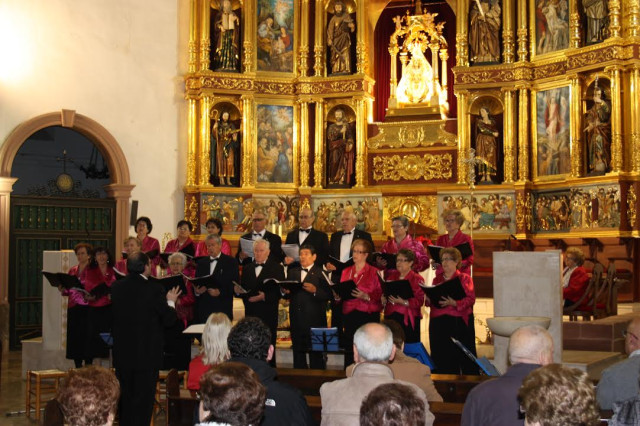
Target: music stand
{"type": "Point", "coordinates": [324, 339]}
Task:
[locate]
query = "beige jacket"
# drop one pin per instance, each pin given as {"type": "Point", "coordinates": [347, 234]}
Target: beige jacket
{"type": "Point", "coordinates": [341, 399]}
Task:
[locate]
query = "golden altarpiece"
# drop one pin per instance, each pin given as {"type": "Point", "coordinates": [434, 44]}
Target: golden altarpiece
{"type": "Point", "coordinates": [523, 114]}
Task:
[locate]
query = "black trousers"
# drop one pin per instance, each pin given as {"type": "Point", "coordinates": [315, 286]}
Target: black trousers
{"type": "Point", "coordinates": [448, 358]}
{"type": "Point", "coordinates": [137, 394]}
{"type": "Point", "coordinates": [352, 322]}
{"type": "Point", "coordinates": [411, 334]}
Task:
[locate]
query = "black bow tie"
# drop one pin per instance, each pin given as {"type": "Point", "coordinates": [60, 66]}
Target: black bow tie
{"type": "Point", "coordinates": [306, 230]}
{"type": "Point", "coordinates": [347, 233]}
{"type": "Point", "coordinates": [213, 259]}
{"type": "Point", "coordinates": [257, 235]}
{"type": "Point", "coordinates": [259, 264]}
{"type": "Point", "coordinates": [305, 269]}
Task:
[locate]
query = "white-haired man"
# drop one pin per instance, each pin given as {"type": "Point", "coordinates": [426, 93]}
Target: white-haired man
{"type": "Point", "coordinates": [373, 348]}
{"type": "Point", "coordinates": [495, 402]}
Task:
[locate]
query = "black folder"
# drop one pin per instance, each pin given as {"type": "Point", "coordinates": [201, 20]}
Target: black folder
{"type": "Point", "coordinates": [207, 281]}
{"type": "Point", "coordinates": [152, 253]}
{"type": "Point", "coordinates": [452, 288]}
{"type": "Point", "coordinates": [172, 281]}
{"type": "Point", "coordinates": [398, 288]}
{"type": "Point", "coordinates": [389, 257]}
{"type": "Point", "coordinates": [344, 289]}
{"type": "Point", "coordinates": [100, 290]}
{"type": "Point", "coordinates": [464, 249]}
{"type": "Point", "coordinates": [188, 251]}
{"type": "Point", "coordinates": [290, 285]}
{"type": "Point", "coordinates": [60, 279]}
{"type": "Point", "coordinates": [340, 265]}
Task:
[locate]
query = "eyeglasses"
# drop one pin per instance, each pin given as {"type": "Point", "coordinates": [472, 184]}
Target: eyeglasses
{"type": "Point", "coordinates": [304, 217]}
{"type": "Point", "coordinates": [360, 251]}
{"type": "Point", "coordinates": [627, 333]}
{"type": "Point", "coordinates": [396, 226]}
{"type": "Point", "coordinates": [449, 221]}
{"type": "Point", "coordinates": [175, 263]}
{"type": "Point", "coordinates": [447, 259]}
{"type": "Point", "coordinates": [573, 259]}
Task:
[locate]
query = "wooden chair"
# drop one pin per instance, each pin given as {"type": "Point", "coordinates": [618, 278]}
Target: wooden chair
{"type": "Point", "coordinates": [585, 307]}
{"type": "Point", "coordinates": [41, 386]}
{"type": "Point", "coordinates": [181, 403]}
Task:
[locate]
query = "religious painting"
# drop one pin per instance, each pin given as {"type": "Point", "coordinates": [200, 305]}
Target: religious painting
{"type": "Point", "coordinates": [551, 25]}
{"type": "Point", "coordinates": [552, 135]}
{"type": "Point", "coordinates": [492, 212]}
{"type": "Point", "coordinates": [225, 36]}
{"type": "Point", "coordinates": [341, 147]}
{"type": "Point", "coordinates": [281, 212]}
{"type": "Point", "coordinates": [486, 134]}
{"type": "Point", "coordinates": [328, 211]}
{"type": "Point", "coordinates": [225, 144]}
{"type": "Point", "coordinates": [485, 23]}
{"type": "Point", "coordinates": [341, 38]}
{"type": "Point", "coordinates": [551, 211]}
{"type": "Point", "coordinates": [234, 211]}
{"type": "Point", "coordinates": [595, 18]}
{"type": "Point", "coordinates": [597, 128]}
{"type": "Point", "coordinates": [275, 37]}
{"type": "Point", "coordinates": [275, 144]}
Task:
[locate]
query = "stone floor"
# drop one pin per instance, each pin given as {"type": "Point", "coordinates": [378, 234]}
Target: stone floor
{"type": "Point", "coordinates": [12, 392]}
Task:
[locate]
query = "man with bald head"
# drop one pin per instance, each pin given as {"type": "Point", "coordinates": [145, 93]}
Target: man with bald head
{"type": "Point", "coordinates": [495, 402]}
{"type": "Point", "coordinates": [305, 234]}
{"type": "Point", "coordinates": [620, 381]}
{"type": "Point", "coordinates": [373, 348]}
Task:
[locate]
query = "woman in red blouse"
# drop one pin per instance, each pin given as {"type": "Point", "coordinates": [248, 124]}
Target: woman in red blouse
{"type": "Point", "coordinates": [405, 312]}
{"type": "Point", "coordinates": [100, 271]}
{"type": "Point", "coordinates": [131, 244]}
{"type": "Point", "coordinates": [452, 318]}
{"type": "Point", "coordinates": [183, 244]}
{"type": "Point", "coordinates": [402, 240]}
{"type": "Point", "coordinates": [150, 245]}
{"type": "Point", "coordinates": [213, 350]}
{"type": "Point", "coordinates": [453, 220]}
{"type": "Point", "coordinates": [366, 305]}
{"type": "Point", "coordinates": [78, 310]}
{"type": "Point", "coordinates": [574, 277]}
{"type": "Point", "coordinates": [214, 226]}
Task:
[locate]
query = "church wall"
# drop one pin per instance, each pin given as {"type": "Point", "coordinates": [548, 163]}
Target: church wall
{"type": "Point", "coordinates": [118, 63]}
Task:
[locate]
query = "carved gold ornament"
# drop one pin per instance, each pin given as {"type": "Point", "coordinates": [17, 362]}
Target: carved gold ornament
{"type": "Point", "coordinates": [420, 209]}
{"type": "Point", "coordinates": [523, 211]}
{"type": "Point", "coordinates": [631, 205]}
{"type": "Point", "coordinates": [412, 167]}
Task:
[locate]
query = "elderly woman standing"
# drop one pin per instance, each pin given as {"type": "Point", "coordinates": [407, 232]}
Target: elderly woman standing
{"type": "Point", "coordinates": [453, 220]}
{"type": "Point", "coordinates": [150, 245]}
{"type": "Point", "coordinates": [574, 277]}
{"type": "Point", "coordinates": [402, 240]}
{"type": "Point", "coordinates": [452, 318]}
{"type": "Point", "coordinates": [214, 348]}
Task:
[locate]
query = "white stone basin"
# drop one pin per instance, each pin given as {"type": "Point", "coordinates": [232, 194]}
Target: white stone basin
{"type": "Point", "coordinates": [505, 326]}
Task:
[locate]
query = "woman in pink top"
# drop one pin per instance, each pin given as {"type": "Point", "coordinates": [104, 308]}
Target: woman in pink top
{"type": "Point", "coordinates": [214, 226]}
{"type": "Point", "coordinates": [452, 318]}
{"type": "Point", "coordinates": [78, 310]}
{"type": "Point", "coordinates": [213, 350]}
{"type": "Point", "coordinates": [366, 305]}
{"type": "Point", "coordinates": [150, 245]}
{"type": "Point", "coordinates": [100, 271]}
{"type": "Point", "coordinates": [401, 239]}
{"type": "Point", "coordinates": [131, 244]}
{"type": "Point", "coordinates": [453, 220]}
{"type": "Point", "coordinates": [405, 312]}
{"type": "Point", "coordinates": [183, 244]}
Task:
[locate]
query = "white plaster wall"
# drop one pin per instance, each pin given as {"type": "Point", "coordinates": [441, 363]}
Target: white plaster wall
{"type": "Point", "coordinates": [119, 62]}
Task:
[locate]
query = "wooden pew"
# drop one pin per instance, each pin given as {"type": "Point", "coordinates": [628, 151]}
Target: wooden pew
{"type": "Point", "coordinates": [454, 388]}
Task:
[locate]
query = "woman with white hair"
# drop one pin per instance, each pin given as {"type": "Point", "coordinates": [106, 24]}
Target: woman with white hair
{"type": "Point", "coordinates": [214, 348]}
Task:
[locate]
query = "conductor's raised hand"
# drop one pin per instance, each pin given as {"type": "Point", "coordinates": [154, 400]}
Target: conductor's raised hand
{"type": "Point", "coordinates": [174, 293]}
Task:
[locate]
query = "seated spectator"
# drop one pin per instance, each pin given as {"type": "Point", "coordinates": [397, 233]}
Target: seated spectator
{"type": "Point", "coordinates": [231, 394]}
{"type": "Point", "coordinates": [213, 350]}
{"type": "Point", "coordinates": [620, 381]}
{"type": "Point", "coordinates": [555, 395]}
{"type": "Point", "coordinates": [392, 404]}
{"type": "Point", "coordinates": [574, 277]}
{"type": "Point", "coordinates": [89, 397]}
{"type": "Point", "coordinates": [406, 368]}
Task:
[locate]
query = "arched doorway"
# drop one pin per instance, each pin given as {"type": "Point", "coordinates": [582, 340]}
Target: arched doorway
{"type": "Point", "coordinates": [119, 189]}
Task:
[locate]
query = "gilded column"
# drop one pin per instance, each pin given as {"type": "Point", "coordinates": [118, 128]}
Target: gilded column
{"type": "Point", "coordinates": [523, 31]}
{"type": "Point", "coordinates": [205, 40]}
{"type": "Point", "coordinates": [362, 53]}
{"type": "Point", "coordinates": [614, 18]}
{"type": "Point", "coordinates": [575, 40]}
{"type": "Point", "coordinates": [616, 119]}
{"type": "Point", "coordinates": [509, 136]}
{"type": "Point", "coordinates": [193, 36]}
{"type": "Point", "coordinates": [303, 53]}
{"type": "Point", "coordinates": [507, 32]}
{"type": "Point", "coordinates": [192, 138]}
{"type": "Point", "coordinates": [633, 19]}
{"type": "Point", "coordinates": [6, 186]}
{"type": "Point", "coordinates": [304, 143]}
{"type": "Point", "coordinates": [204, 156]}
{"type": "Point", "coordinates": [249, 37]}
{"type": "Point", "coordinates": [318, 169]}
{"type": "Point", "coordinates": [575, 128]}
{"type": "Point", "coordinates": [318, 46]}
{"type": "Point", "coordinates": [523, 134]}
{"type": "Point", "coordinates": [248, 113]}
{"type": "Point", "coordinates": [361, 135]}
{"type": "Point", "coordinates": [462, 41]}
{"type": "Point", "coordinates": [635, 119]}
{"type": "Point", "coordinates": [463, 134]}
{"type": "Point", "coordinates": [393, 79]}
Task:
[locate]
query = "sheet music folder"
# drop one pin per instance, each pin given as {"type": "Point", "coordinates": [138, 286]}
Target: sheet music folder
{"type": "Point", "coordinates": [452, 288]}
{"type": "Point", "coordinates": [464, 249]}
{"type": "Point", "coordinates": [344, 289]}
{"type": "Point", "coordinates": [172, 281]}
{"type": "Point", "coordinates": [398, 288]}
{"type": "Point", "coordinates": [485, 365]}
{"type": "Point", "coordinates": [57, 279]}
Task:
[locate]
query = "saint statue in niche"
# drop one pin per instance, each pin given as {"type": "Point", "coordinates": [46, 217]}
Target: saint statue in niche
{"type": "Point", "coordinates": [341, 150]}
{"type": "Point", "coordinates": [226, 24]}
{"type": "Point", "coordinates": [596, 12]}
{"type": "Point", "coordinates": [225, 143]}
{"type": "Point", "coordinates": [484, 31]}
{"type": "Point", "coordinates": [487, 145]}
{"type": "Point", "coordinates": [598, 134]}
{"type": "Point", "coordinates": [339, 32]}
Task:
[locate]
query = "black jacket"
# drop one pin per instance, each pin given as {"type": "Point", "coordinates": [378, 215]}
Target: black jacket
{"type": "Point", "coordinates": [334, 248]}
{"type": "Point", "coordinates": [266, 310]}
{"type": "Point", "coordinates": [317, 239]}
{"type": "Point", "coordinates": [285, 404]}
{"type": "Point", "coordinates": [225, 273]}
{"type": "Point", "coordinates": [307, 310]}
{"type": "Point", "coordinates": [275, 250]}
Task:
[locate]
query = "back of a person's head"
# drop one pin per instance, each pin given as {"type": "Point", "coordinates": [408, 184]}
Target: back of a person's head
{"type": "Point", "coordinates": [89, 396]}
{"type": "Point", "coordinates": [214, 339]}
{"type": "Point", "coordinates": [396, 331]}
{"type": "Point", "coordinates": [392, 404]}
{"type": "Point", "coordinates": [531, 344]}
{"type": "Point", "coordinates": [136, 262]}
{"type": "Point", "coordinates": [374, 342]}
{"type": "Point", "coordinates": [249, 338]}
{"type": "Point", "coordinates": [231, 393]}
{"type": "Point", "coordinates": [556, 395]}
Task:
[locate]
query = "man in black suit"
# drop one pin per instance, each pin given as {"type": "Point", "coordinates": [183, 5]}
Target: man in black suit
{"type": "Point", "coordinates": [262, 300]}
{"type": "Point", "coordinates": [140, 314]}
{"type": "Point", "coordinates": [259, 221]}
{"type": "Point", "coordinates": [224, 270]}
{"type": "Point", "coordinates": [340, 248]}
{"type": "Point", "coordinates": [306, 235]}
{"type": "Point", "coordinates": [308, 308]}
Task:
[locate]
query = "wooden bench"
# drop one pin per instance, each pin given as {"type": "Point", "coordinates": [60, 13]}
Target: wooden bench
{"type": "Point", "coordinates": [455, 388]}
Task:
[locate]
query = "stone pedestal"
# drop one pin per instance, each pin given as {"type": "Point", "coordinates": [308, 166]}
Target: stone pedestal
{"type": "Point", "coordinates": [54, 305]}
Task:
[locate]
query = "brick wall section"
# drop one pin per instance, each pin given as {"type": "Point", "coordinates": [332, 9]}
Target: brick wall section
{"type": "Point", "coordinates": [600, 335]}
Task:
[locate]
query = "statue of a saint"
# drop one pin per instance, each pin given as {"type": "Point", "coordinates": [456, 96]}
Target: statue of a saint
{"type": "Point", "coordinates": [339, 39]}
{"type": "Point", "coordinates": [484, 31]}
{"type": "Point", "coordinates": [227, 31]}
{"type": "Point", "coordinates": [598, 134]}
{"type": "Point", "coordinates": [596, 12]}
{"type": "Point", "coordinates": [487, 145]}
{"type": "Point", "coordinates": [224, 138]}
{"type": "Point", "coordinates": [341, 148]}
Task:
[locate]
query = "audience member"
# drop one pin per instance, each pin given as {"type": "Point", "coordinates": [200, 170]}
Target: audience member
{"type": "Point", "coordinates": [620, 381]}
{"type": "Point", "coordinates": [250, 343]}
{"type": "Point", "coordinates": [213, 350]}
{"type": "Point", "coordinates": [231, 394]}
{"type": "Point", "coordinates": [495, 402]}
{"type": "Point", "coordinates": [373, 348]}
{"type": "Point", "coordinates": [89, 397]}
{"type": "Point", "coordinates": [392, 404]}
{"type": "Point", "coordinates": [557, 395]}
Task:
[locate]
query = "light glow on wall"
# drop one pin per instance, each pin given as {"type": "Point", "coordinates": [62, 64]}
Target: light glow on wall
{"type": "Point", "coordinates": [16, 53]}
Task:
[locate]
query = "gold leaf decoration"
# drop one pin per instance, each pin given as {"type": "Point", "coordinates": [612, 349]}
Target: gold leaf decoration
{"type": "Point", "coordinates": [412, 167]}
